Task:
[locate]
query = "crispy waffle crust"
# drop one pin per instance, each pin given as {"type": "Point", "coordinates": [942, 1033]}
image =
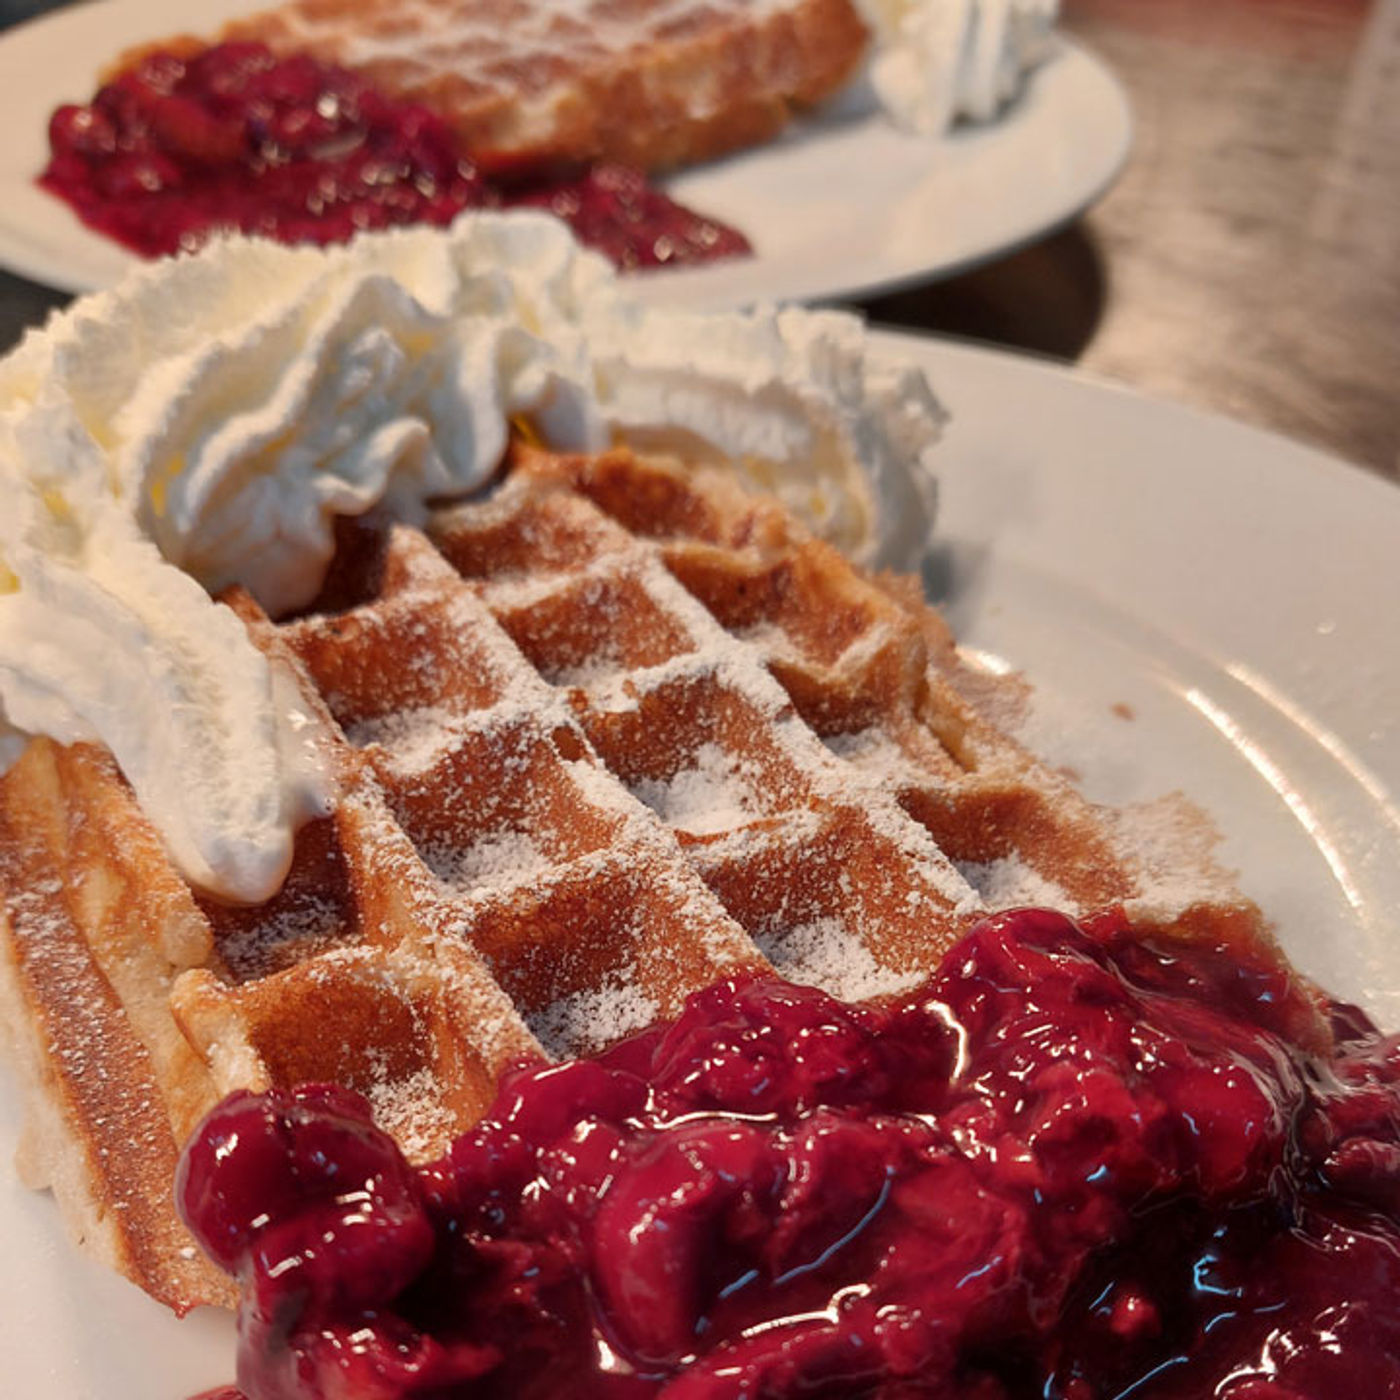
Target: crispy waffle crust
{"type": "Point", "coordinates": [652, 83]}
{"type": "Point", "coordinates": [603, 737]}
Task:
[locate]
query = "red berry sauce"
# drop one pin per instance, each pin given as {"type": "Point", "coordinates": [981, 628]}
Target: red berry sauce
{"type": "Point", "coordinates": [177, 148]}
{"type": "Point", "coordinates": [1070, 1165]}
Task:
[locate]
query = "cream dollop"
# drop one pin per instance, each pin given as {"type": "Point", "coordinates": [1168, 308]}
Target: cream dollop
{"type": "Point", "coordinates": [101, 638]}
{"type": "Point", "coordinates": [934, 61]}
{"type": "Point", "coordinates": [244, 398]}
{"type": "Point", "coordinates": [205, 422]}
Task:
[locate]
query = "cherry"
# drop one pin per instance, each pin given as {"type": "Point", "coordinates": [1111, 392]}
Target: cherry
{"type": "Point", "coordinates": [1071, 1160]}
{"type": "Point", "coordinates": [231, 138]}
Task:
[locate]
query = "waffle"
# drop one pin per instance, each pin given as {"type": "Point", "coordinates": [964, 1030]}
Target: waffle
{"type": "Point", "coordinates": [530, 83]}
{"type": "Point", "coordinates": [606, 735]}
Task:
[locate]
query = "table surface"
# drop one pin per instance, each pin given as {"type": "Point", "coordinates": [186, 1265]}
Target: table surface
{"type": "Point", "coordinates": [1247, 262]}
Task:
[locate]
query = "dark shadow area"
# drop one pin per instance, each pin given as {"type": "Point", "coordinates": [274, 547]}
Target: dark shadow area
{"type": "Point", "coordinates": [1046, 298]}
{"type": "Point", "coordinates": [954, 576]}
{"type": "Point", "coordinates": [17, 11]}
{"type": "Point", "coordinates": [24, 304]}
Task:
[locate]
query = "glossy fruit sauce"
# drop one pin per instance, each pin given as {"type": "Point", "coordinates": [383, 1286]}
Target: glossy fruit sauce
{"type": "Point", "coordinates": [1070, 1165]}
{"type": "Point", "coordinates": [177, 148]}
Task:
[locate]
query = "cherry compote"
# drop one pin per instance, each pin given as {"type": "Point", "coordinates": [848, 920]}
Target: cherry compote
{"type": "Point", "coordinates": [178, 147]}
{"type": "Point", "coordinates": [1072, 1164]}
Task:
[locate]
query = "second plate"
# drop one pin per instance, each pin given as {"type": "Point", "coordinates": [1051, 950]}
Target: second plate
{"type": "Point", "coordinates": [842, 204]}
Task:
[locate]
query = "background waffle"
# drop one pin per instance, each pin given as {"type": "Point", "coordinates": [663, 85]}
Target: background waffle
{"type": "Point", "coordinates": [609, 734]}
{"type": "Point", "coordinates": [651, 83]}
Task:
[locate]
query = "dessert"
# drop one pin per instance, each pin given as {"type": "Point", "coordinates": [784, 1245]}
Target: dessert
{"type": "Point", "coordinates": [648, 84]}
{"type": "Point", "coordinates": [1071, 1164]}
{"type": "Point", "coordinates": [589, 745]}
{"type": "Point", "coordinates": [178, 148]}
{"type": "Point", "coordinates": [212, 417]}
{"type": "Point", "coordinates": [314, 121]}
{"type": "Point", "coordinates": [658, 84]}
{"type": "Point", "coordinates": [475, 786]}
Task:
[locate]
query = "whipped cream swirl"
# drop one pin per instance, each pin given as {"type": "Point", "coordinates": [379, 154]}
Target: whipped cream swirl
{"type": "Point", "coordinates": [935, 61]}
{"type": "Point", "coordinates": [204, 423]}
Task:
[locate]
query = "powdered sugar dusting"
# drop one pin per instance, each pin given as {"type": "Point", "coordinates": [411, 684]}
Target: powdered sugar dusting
{"type": "Point", "coordinates": [874, 752]}
{"type": "Point", "coordinates": [826, 954]}
{"type": "Point", "coordinates": [1009, 883]}
{"type": "Point", "coordinates": [593, 671]}
{"type": "Point", "coordinates": [412, 1110]}
{"type": "Point", "coordinates": [294, 932]}
{"type": "Point", "coordinates": [715, 793]}
{"type": "Point", "coordinates": [497, 859]}
{"type": "Point", "coordinates": [1174, 842]}
{"type": "Point", "coordinates": [416, 738]}
{"type": "Point", "coordinates": [588, 1020]}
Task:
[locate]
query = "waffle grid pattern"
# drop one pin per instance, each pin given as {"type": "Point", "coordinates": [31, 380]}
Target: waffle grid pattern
{"type": "Point", "coordinates": [603, 737]}
{"type": "Point", "coordinates": [651, 83]}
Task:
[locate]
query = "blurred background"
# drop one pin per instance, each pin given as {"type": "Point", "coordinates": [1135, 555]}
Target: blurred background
{"type": "Point", "coordinates": [1248, 260]}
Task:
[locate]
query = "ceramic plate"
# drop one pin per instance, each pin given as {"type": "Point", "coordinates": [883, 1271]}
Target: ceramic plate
{"type": "Point", "coordinates": [1200, 605]}
{"type": "Point", "coordinates": [843, 203]}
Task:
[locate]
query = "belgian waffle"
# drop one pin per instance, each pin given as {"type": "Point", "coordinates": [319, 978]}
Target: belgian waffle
{"type": "Point", "coordinates": [651, 83]}
{"type": "Point", "coordinates": [608, 734]}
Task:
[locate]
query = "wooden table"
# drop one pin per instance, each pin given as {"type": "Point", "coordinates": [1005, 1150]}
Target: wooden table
{"type": "Point", "coordinates": [1249, 259]}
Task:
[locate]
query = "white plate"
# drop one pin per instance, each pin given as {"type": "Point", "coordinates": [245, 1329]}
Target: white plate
{"type": "Point", "coordinates": [1235, 591]}
{"type": "Point", "coordinates": [841, 204]}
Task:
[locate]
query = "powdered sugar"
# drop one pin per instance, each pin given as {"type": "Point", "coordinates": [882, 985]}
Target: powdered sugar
{"type": "Point", "coordinates": [587, 1020]}
{"type": "Point", "coordinates": [874, 753]}
{"type": "Point", "coordinates": [826, 954]}
{"type": "Point", "coordinates": [715, 792]}
{"type": "Point", "coordinates": [1010, 883]}
{"type": "Point", "coordinates": [415, 738]}
{"type": "Point", "coordinates": [497, 859]}
{"type": "Point", "coordinates": [293, 933]}
{"type": "Point", "coordinates": [414, 1111]}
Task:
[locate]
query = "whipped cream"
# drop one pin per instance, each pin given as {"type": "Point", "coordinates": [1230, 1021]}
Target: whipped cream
{"type": "Point", "coordinates": [100, 637]}
{"type": "Point", "coordinates": [204, 423]}
{"type": "Point", "coordinates": [934, 61]}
